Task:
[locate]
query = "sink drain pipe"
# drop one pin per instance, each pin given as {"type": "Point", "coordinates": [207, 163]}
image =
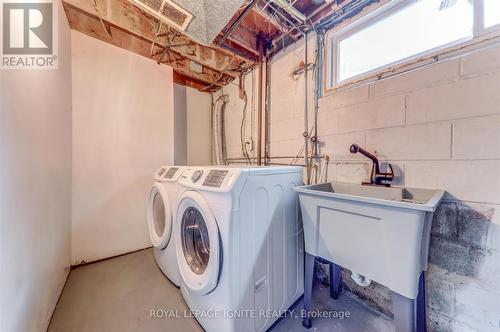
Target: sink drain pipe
{"type": "Point", "coordinates": [360, 280]}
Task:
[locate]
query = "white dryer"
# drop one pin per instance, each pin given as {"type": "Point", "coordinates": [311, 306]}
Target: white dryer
{"type": "Point", "coordinates": [239, 244]}
{"type": "Point", "coordinates": [162, 207]}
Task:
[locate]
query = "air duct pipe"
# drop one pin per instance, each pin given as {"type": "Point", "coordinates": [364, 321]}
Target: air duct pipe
{"type": "Point", "coordinates": [219, 130]}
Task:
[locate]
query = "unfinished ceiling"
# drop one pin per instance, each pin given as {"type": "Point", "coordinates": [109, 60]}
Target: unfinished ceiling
{"type": "Point", "coordinates": [209, 43]}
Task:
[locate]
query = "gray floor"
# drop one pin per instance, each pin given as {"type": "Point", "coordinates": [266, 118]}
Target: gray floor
{"type": "Point", "coordinates": [118, 295]}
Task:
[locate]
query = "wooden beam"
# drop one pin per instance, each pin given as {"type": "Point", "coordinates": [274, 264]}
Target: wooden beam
{"type": "Point", "coordinates": [191, 82]}
{"type": "Point", "coordinates": [90, 25]}
{"type": "Point", "coordinates": [245, 38]}
{"type": "Point", "coordinates": [244, 35]}
{"type": "Point", "coordinates": [238, 49]}
{"type": "Point", "coordinates": [127, 16]}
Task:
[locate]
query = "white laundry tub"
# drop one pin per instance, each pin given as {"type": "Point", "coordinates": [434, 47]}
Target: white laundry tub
{"type": "Point", "coordinates": [381, 233]}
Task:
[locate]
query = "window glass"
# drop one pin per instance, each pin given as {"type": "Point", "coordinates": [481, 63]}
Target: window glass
{"type": "Point", "coordinates": [491, 13]}
{"type": "Point", "coordinates": [417, 28]}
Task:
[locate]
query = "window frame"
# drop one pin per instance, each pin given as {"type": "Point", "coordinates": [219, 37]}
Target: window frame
{"type": "Point", "coordinates": [479, 19]}
{"type": "Point", "coordinates": [336, 35]}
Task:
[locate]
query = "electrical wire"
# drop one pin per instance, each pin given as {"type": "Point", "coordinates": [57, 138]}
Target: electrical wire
{"type": "Point", "coordinates": [104, 26]}
{"type": "Point", "coordinates": [159, 23]}
{"type": "Point", "coordinates": [242, 129]}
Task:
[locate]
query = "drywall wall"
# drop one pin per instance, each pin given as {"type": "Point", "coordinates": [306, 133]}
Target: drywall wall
{"type": "Point", "coordinates": [198, 127]}
{"type": "Point", "coordinates": [440, 126]}
{"type": "Point", "coordinates": [35, 190]}
{"type": "Point", "coordinates": [122, 131]}
{"type": "Point", "coordinates": [180, 118]}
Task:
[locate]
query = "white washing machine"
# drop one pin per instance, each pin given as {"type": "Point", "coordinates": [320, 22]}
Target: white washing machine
{"type": "Point", "coordinates": [240, 245]}
{"type": "Point", "coordinates": [162, 208]}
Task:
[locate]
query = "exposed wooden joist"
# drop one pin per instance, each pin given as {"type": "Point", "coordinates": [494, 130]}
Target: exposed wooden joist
{"type": "Point", "coordinates": [190, 82]}
{"type": "Point", "coordinates": [125, 15]}
{"type": "Point", "coordinates": [90, 25]}
{"type": "Point", "coordinates": [244, 35]}
{"type": "Point", "coordinates": [239, 49]}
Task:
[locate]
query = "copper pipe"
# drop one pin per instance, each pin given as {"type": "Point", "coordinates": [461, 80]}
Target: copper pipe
{"type": "Point", "coordinates": [277, 164]}
{"type": "Point", "coordinates": [259, 112]}
{"type": "Point", "coordinates": [267, 110]}
{"type": "Point", "coordinates": [275, 157]}
{"type": "Point", "coordinates": [306, 115]}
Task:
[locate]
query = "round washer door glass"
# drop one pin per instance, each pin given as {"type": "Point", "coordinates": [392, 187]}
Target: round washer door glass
{"type": "Point", "coordinates": [195, 240]}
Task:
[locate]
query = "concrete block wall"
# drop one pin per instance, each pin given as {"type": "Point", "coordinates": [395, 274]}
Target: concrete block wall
{"type": "Point", "coordinates": [440, 126]}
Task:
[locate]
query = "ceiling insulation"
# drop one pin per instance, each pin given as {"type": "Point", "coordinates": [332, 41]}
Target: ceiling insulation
{"type": "Point", "coordinates": [202, 20]}
{"type": "Point", "coordinates": [167, 11]}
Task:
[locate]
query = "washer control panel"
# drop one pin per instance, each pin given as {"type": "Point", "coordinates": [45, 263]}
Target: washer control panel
{"type": "Point", "coordinates": [215, 178]}
{"type": "Point", "coordinates": [161, 171]}
{"type": "Point", "coordinates": [196, 176]}
{"type": "Point", "coordinates": [171, 172]}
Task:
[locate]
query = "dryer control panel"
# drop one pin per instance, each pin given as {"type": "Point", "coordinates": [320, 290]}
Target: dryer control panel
{"type": "Point", "coordinates": [215, 178]}
{"type": "Point", "coordinates": [166, 173]}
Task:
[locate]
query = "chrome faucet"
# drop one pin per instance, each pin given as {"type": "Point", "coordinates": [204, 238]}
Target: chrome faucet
{"type": "Point", "coordinates": [377, 177]}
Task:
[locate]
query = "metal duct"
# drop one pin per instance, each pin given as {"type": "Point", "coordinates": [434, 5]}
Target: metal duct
{"type": "Point", "coordinates": [202, 20]}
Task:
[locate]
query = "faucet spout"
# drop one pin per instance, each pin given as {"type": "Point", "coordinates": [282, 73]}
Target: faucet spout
{"type": "Point", "coordinates": [377, 177]}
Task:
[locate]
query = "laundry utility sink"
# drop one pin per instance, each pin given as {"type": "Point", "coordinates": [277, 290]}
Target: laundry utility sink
{"type": "Point", "coordinates": [381, 233]}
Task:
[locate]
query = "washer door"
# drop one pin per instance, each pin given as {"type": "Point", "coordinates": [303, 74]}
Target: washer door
{"type": "Point", "coordinates": [159, 216]}
{"type": "Point", "coordinates": [197, 243]}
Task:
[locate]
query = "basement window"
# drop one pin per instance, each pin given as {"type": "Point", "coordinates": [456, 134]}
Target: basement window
{"type": "Point", "coordinates": [402, 31]}
{"type": "Point", "coordinates": [491, 13]}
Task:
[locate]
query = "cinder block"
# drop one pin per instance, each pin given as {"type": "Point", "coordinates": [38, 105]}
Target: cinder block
{"type": "Point", "coordinates": [465, 98]}
{"type": "Point", "coordinates": [445, 224]}
{"type": "Point", "coordinates": [357, 172]}
{"type": "Point", "coordinates": [440, 294]}
{"type": "Point", "coordinates": [286, 130]}
{"type": "Point", "coordinates": [234, 151]}
{"type": "Point", "coordinates": [343, 97]}
{"type": "Point", "coordinates": [472, 181]}
{"type": "Point", "coordinates": [351, 172]}
{"type": "Point", "coordinates": [475, 306]}
{"type": "Point", "coordinates": [328, 123]}
{"type": "Point", "coordinates": [337, 146]}
{"type": "Point", "coordinates": [437, 322]}
{"type": "Point", "coordinates": [286, 148]}
{"type": "Point", "coordinates": [380, 113]}
{"type": "Point", "coordinates": [493, 241]}
{"type": "Point", "coordinates": [465, 223]}
{"type": "Point", "coordinates": [473, 223]}
{"type": "Point", "coordinates": [478, 307]}
{"type": "Point", "coordinates": [423, 142]}
{"type": "Point", "coordinates": [437, 73]}
{"type": "Point", "coordinates": [287, 92]}
{"type": "Point", "coordinates": [477, 138]}
{"type": "Point", "coordinates": [482, 61]}
{"type": "Point", "coordinates": [375, 295]}
{"type": "Point", "coordinates": [454, 257]}
{"type": "Point", "coordinates": [489, 271]}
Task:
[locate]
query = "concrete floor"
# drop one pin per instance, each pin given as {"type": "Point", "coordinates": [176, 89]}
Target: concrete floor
{"type": "Point", "coordinates": [118, 294]}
